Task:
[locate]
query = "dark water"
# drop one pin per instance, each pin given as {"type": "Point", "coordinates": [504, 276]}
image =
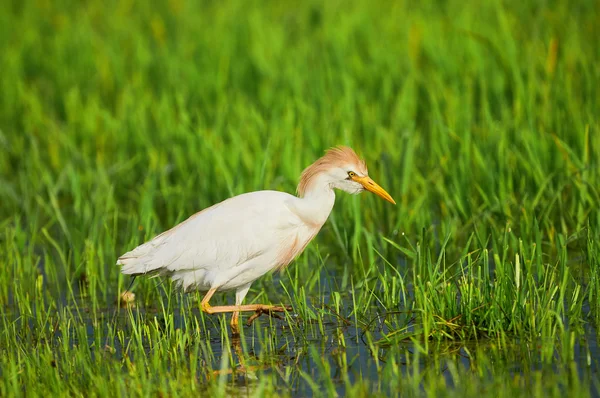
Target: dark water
{"type": "Point", "coordinates": [302, 354]}
{"type": "Point", "coordinates": [306, 349]}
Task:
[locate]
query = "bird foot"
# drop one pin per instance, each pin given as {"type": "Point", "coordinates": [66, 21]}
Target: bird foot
{"type": "Point", "coordinates": [205, 307]}
{"type": "Point", "coordinates": [269, 310]}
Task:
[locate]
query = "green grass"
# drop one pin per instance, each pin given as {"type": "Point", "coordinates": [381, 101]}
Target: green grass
{"type": "Point", "coordinates": [120, 119]}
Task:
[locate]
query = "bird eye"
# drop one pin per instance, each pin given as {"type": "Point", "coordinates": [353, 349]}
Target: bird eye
{"type": "Point", "coordinates": [350, 175]}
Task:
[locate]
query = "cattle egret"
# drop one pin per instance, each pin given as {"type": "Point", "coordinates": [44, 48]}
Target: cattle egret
{"type": "Point", "coordinates": [233, 243]}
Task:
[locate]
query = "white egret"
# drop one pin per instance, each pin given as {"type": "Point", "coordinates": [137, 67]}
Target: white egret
{"type": "Point", "coordinates": [233, 243]}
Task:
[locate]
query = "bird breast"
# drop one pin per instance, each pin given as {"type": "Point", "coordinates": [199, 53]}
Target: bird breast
{"type": "Point", "coordinates": [294, 247]}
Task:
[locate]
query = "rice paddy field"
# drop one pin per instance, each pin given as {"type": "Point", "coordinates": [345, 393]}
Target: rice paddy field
{"type": "Point", "coordinates": [119, 119]}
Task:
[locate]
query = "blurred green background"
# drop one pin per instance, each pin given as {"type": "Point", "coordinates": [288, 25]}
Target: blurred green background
{"type": "Point", "coordinates": [163, 108]}
{"type": "Point", "coordinates": [119, 119]}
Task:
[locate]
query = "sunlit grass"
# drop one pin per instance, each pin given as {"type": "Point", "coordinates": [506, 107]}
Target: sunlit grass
{"type": "Point", "coordinates": [119, 120]}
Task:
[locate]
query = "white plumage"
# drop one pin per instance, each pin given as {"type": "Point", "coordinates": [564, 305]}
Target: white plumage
{"type": "Point", "coordinates": [213, 248]}
{"type": "Point", "coordinates": [231, 244]}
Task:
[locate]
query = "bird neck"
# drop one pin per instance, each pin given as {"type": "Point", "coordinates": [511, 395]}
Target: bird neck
{"type": "Point", "coordinates": [316, 202]}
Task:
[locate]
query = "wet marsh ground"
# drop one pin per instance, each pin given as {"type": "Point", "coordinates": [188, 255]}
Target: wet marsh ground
{"type": "Point", "coordinates": [121, 119]}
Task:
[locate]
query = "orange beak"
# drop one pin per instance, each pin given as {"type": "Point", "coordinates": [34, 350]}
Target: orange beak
{"type": "Point", "coordinates": [372, 186]}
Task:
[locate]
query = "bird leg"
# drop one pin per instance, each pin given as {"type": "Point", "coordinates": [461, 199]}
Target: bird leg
{"type": "Point", "coordinates": [259, 309]}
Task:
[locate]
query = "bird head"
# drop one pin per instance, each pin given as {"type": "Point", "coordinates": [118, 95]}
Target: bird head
{"type": "Point", "coordinates": [341, 168]}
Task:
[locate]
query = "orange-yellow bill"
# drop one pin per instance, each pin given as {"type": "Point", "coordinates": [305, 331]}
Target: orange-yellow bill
{"type": "Point", "coordinates": [372, 186]}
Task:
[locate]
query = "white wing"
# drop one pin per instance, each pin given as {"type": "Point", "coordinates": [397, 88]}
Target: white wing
{"type": "Point", "coordinates": [218, 238]}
